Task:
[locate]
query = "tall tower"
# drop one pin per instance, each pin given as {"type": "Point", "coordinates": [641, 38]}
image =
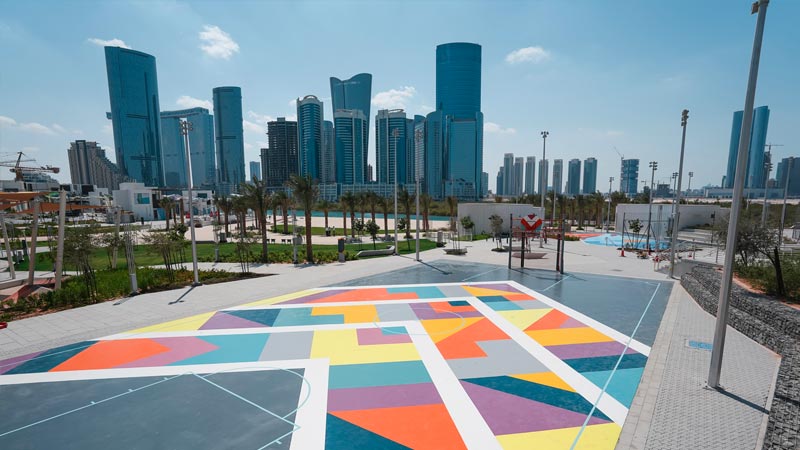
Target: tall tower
{"type": "Point", "coordinates": [201, 146]}
{"type": "Point", "coordinates": [629, 177]}
{"type": "Point", "coordinates": [391, 149]}
{"type": "Point", "coordinates": [543, 167]}
{"type": "Point", "coordinates": [355, 93]}
{"type": "Point", "coordinates": [558, 176]}
{"type": "Point", "coordinates": [519, 175]}
{"type": "Point", "coordinates": [508, 174]}
{"type": "Point", "coordinates": [755, 162]}
{"type": "Point", "coordinates": [229, 133]}
{"type": "Point", "coordinates": [282, 156]}
{"type": "Point", "coordinates": [310, 136]}
{"type": "Point", "coordinates": [530, 175]}
{"type": "Point", "coordinates": [133, 93]}
{"type": "Point", "coordinates": [328, 158]}
{"type": "Point", "coordinates": [574, 177]}
{"type": "Point", "coordinates": [589, 176]}
{"type": "Point", "coordinates": [351, 146]}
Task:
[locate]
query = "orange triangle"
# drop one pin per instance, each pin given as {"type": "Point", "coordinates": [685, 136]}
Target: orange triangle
{"type": "Point", "coordinates": [421, 427]}
{"type": "Point", "coordinates": [553, 319]}
{"type": "Point", "coordinates": [110, 354]}
{"type": "Point", "coordinates": [464, 343]}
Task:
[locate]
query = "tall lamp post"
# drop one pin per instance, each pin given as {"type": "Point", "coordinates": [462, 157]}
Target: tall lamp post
{"type": "Point", "coordinates": [765, 209]}
{"type": "Point", "coordinates": [395, 133]}
{"type": "Point", "coordinates": [676, 217]}
{"type": "Point", "coordinates": [653, 167]}
{"type": "Point", "coordinates": [608, 214]}
{"type": "Point", "coordinates": [416, 215]}
{"type": "Point", "coordinates": [736, 201]}
{"type": "Point", "coordinates": [544, 135]}
{"type": "Point", "coordinates": [186, 126]}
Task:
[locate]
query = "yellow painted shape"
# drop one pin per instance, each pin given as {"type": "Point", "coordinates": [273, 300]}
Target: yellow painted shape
{"type": "Point", "coordinates": [285, 297]}
{"type": "Point", "coordinates": [478, 291]}
{"type": "Point", "coordinates": [440, 329]}
{"type": "Point", "coordinates": [352, 314]}
{"type": "Point", "coordinates": [545, 378]}
{"type": "Point", "coordinates": [564, 336]}
{"type": "Point", "coordinates": [341, 347]}
{"type": "Point", "coordinates": [594, 437]}
{"type": "Point", "coordinates": [523, 318]}
{"type": "Point", "coordinates": [186, 324]}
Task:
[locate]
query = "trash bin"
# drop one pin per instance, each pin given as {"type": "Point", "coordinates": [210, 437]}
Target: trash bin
{"type": "Point", "coordinates": [327, 231]}
{"type": "Point", "coordinates": [222, 237]}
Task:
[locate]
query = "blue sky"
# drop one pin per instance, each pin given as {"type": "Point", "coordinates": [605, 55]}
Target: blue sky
{"type": "Point", "coordinates": [596, 74]}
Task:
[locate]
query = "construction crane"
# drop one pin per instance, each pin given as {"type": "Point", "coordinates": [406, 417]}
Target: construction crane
{"type": "Point", "coordinates": [18, 169]}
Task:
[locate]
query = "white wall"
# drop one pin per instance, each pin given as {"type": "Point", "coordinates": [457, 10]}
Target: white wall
{"type": "Point", "coordinates": [480, 213]}
{"type": "Point", "coordinates": [128, 195]}
{"type": "Point", "coordinates": [691, 216]}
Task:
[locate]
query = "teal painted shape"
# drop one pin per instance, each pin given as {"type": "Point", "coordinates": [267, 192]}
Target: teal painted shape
{"type": "Point", "coordinates": [394, 330]}
{"type": "Point", "coordinates": [458, 303]}
{"type": "Point", "coordinates": [263, 316]}
{"type": "Point", "coordinates": [489, 299]}
{"type": "Point", "coordinates": [503, 306]}
{"type": "Point", "coordinates": [51, 358]}
{"type": "Point", "coordinates": [622, 385]}
{"type": "Point", "coordinates": [343, 435]}
{"type": "Point", "coordinates": [232, 348]}
{"type": "Point", "coordinates": [601, 363]}
{"type": "Point", "coordinates": [377, 374]}
{"type": "Point", "coordinates": [302, 316]}
{"type": "Point", "coordinates": [421, 291]}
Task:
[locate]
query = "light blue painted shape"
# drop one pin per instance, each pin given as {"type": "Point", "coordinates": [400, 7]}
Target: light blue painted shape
{"type": "Point", "coordinates": [377, 374]}
{"type": "Point", "coordinates": [232, 348]}
{"type": "Point", "coordinates": [701, 345]}
{"type": "Point", "coordinates": [394, 330]}
{"type": "Point", "coordinates": [302, 316]}
{"type": "Point", "coordinates": [623, 384]}
{"type": "Point", "coordinates": [503, 306]}
{"type": "Point", "coordinates": [421, 291]}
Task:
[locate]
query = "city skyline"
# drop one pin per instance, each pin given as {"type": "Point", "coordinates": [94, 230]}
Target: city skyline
{"type": "Point", "coordinates": [707, 76]}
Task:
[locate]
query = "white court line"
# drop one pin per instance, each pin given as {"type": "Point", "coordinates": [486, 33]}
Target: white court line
{"type": "Point", "coordinates": [312, 416]}
{"type": "Point", "coordinates": [556, 283]}
{"type": "Point", "coordinates": [348, 303]}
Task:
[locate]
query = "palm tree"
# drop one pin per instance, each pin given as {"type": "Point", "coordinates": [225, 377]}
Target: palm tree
{"type": "Point", "coordinates": [351, 200]}
{"type": "Point", "coordinates": [224, 204]}
{"type": "Point", "coordinates": [305, 192]}
{"type": "Point", "coordinates": [282, 200]}
{"type": "Point", "coordinates": [452, 206]}
{"type": "Point", "coordinates": [385, 205]}
{"type": "Point", "coordinates": [406, 200]}
{"type": "Point", "coordinates": [256, 195]}
{"type": "Point", "coordinates": [425, 202]}
{"type": "Point", "coordinates": [581, 201]}
{"type": "Point", "coordinates": [372, 202]}
{"type": "Point", "coordinates": [168, 204]}
{"type": "Point", "coordinates": [343, 207]}
{"type": "Point", "coordinates": [239, 206]}
{"type": "Point", "coordinates": [325, 206]}
{"type": "Point", "coordinates": [599, 204]}
{"type": "Point", "coordinates": [361, 201]}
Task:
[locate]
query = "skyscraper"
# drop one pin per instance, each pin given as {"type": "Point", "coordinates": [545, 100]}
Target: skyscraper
{"type": "Point", "coordinates": [458, 100]}
{"type": "Point", "coordinates": [328, 158]}
{"type": "Point", "coordinates": [629, 177]}
{"type": "Point", "coordinates": [508, 174]}
{"type": "Point", "coordinates": [574, 177]}
{"type": "Point", "coordinates": [229, 134]}
{"type": "Point", "coordinates": [391, 143]}
{"type": "Point", "coordinates": [543, 168]}
{"type": "Point", "coordinates": [755, 174]}
{"type": "Point", "coordinates": [500, 182]}
{"type": "Point", "coordinates": [434, 154]}
{"type": "Point", "coordinates": [354, 93]}
{"type": "Point", "coordinates": [485, 184]}
{"type": "Point", "coordinates": [255, 170]}
{"type": "Point", "coordinates": [309, 127]}
{"type": "Point", "coordinates": [589, 176]}
{"type": "Point", "coordinates": [789, 167]}
{"type": "Point", "coordinates": [410, 149]}
{"type": "Point", "coordinates": [133, 93]}
{"type": "Point", "coordinates": [519, 175]}
{"type": "Point", "coordinates": [530, 172]}
{"type": "Point", "coordinates": [558, 176]}
{"type": "Point", "coordinates": [282, 160]}
{"type": "Point", "coordinates": [201, 146]}
{"type": "Point", "coordinates": [419, 151]}
{"type": "Point", "coordinates": [88, 164]}
{"type": "Point", "coordinates": [351, 146]}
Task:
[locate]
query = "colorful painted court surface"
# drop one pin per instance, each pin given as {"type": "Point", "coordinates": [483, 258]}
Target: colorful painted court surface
{"type": "Point", "coordinates": [489, 365]}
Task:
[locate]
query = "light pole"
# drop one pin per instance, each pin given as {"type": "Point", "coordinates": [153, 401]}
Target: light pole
{"type": "Point", "coordinates": [395, 133]}
{"type": "Point", "coordinates": [416, 200]}
{"type": "Point", "coordinates": [544, 135]}
{"type": "Point", "coordinates": [653, 167]}
{"type": "Point", "coordinates": [186, 126]}
{"type": "Point", "coordinates": [689, 187]}
{"type": "Point", "coordinates": [765, 209]}
{"type": "Point", "coordinates": [608, 214]}
{"type": "Point", "coordinates": [783, 209]}
{"type": "Point", "coordinates": [676, 216]}
{"type": "Point", "coordinates": [736, 201]}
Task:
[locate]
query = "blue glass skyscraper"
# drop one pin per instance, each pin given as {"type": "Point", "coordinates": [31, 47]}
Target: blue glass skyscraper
{"type": "Point", "coordinates": [201, 146]}
{"type": "Point", "coordinates": [133, 93]}
{"type": "Point", "coordinates": [309, 136]}
{"type": "Point", "coordinates": [328, 171]}
{"type": "Point", "coordinates": [755, 175]}
{"type": "Point", "coordinates": [574, 177]}
{"type": "Point", "coordinates": [229, 132]}
{"type": "Point", "coordinates": [354, 94]}
{"type": "Point", "coordinates": [351, 146]}
{"type": "Point", "coordinates": [589, 176]}
{"type": "Point", "coordinates": [629, 177]}
{"type": "Point", "coordinates": [391, 149]}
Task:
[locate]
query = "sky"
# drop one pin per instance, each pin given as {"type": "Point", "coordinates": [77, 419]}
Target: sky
{"type": "Point", "coordinates": [604, 78]}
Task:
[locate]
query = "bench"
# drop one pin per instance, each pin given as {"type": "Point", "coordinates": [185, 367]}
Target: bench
{"type": "Point", "coordinates": [381, 252]}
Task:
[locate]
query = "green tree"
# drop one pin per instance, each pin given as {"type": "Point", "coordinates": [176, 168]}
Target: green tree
{"type": "Point", "coordinates": [168, 205]}
{"type": "Point", "coordinates": [385, 205]}
{"type": "Point", "coordinates": [79, 246]}
{"type": "Point", "coordinates": [373, 229]}
{"type": "Point", "coordinates": [452, 207]}
{"type": "Point", "coordinates": [406, 199]}
{"type": "Point", "coordinates": [325, 206]}
{"type": "Point", "coordinates": [282, 200]}
{"type": "Point", "coordinates": [305, 192]}
{"type": "Point", "coordinates": [496, 223]}
{"type": "Point", "coordinates": [224, 205]}
{"type": "Point", "coordinates": [343, 207]}
{"type": "Point", "coordinates": [372, 202]}
{"type": "Point", "coordinates": [350, 200]}
{"type": "Point", "coordinates": [425, 203]}
{"type": "Point", "coordinates": [468, 224]}
{"type": "Point", "coordinates": [258, 198]}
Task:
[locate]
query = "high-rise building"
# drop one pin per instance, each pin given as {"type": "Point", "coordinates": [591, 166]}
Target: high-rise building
{"type": "Point", "coordinates": [354, 93]}
{"type": "Point", "coordinates": [589, 176]}
{"type": "Point", "coordinates": [88, 164]}
{"type": "Point", "coordinates": [434, 166]}
{"type": "Point", "coordinates": [558, 176]}
{"type": "Point", "coordinates": [459, 127]}
{"type": "Point", "coordinates": [351, 146]}
{"type": "Point", "coordinates": [500, 182]}
{"type": "Point", "coordinates": [264, 156]}
{"type": "Point", "coordinates": [282, 155]}
{"type": "Point", "coordinates": [201, 146]}
{"type": "Point", "coordinates": [519, 175]}
{"type": "Point", "coordinates": [574, 177]}
{"type": "Point", "coordinates": [410, 149]}
{"type": "Point", "coordinates": [328, 157]}
{"type": "Point", "coordinates": [629, 177]}
{"type": "Point", "coordinates": [755, 174]}
{"type": "Point", "coordinates": [508, 174]}
{"type": "Point", "coordinates": [229, 135]}
{"type": "Point", "coordinates": [255, 170]}
{"type": "Point", "coordinates": [419, 151]}
{"type": "Point", "coordinates": [133, 93]}
{"type": "Point", "coordinates": [391, 142]}
{"type": "Point", "coordinates": [485, 184]}
{"type": "Point", "coordinates": [530, 172]}
{"type": "Point", "coordinates": [543, 168]}
{"type": "Point", "coordinates": [789, 167]}
{"type": "Point", "coordinates": [309, 141]}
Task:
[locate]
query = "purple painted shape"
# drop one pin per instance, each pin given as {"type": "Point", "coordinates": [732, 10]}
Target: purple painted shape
{"type": "Point", "coordinates": [383, 397]}
{"type": "Point", "coordinates": [8, 364]}
{"type": "Point", "coordinates": [498, 287]}
{"type": "Point", "coordinates": [373, 336]}
{"type": "Point", "coordinates": [508, 414]}
{"type": "Point", "coordinates": [312, 297]}
{"type": "Point", "coordinates": [221, 321]}
{"type": "Point", "coordinates": [572, 351]}
{"type": "Point", "coordinates": [424, 311]}
{"type": "Point", "coordinates": [572, 323]}
{"type": "Point", "coordinates": [180, 348]}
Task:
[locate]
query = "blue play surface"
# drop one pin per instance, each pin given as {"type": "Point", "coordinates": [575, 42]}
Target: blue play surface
{"type": "Point", "coordinates": [631, 240]}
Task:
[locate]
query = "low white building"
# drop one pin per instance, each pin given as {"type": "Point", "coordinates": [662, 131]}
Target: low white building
{"type": "Point", "coordinates": [136, 198]}
{"type": "Point", "coordinates": [662, 213]}
{"type": "Point", "coordinates": [480, 213]}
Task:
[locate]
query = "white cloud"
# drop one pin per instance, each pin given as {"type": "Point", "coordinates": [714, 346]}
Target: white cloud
{"type": "Point", "coordinates": [262, 119]}
{"type": "Point", "coordinates": [491, 127]}
{"type": "Point", "coordinates": [252, 127]}
{"type": "Point", "coordinates": [217, 43]}
{"type": "Point", "coordinates": [528, 54]}
{"type": "Point", "coordinates": [394, 98]}
{"type": "Point", "coordinates": [425, 109]}
{"type": "Point", "coordinates": [614, 133]}
{"type": "Point", "coordinates": [30, 149]}
{"type": "Point", "coordinates": [292, 118]}
{"type": "Point", "coordinates": [293, 103]}
{"type": "Point", "coordinates": [35, 127]}
{"type": "Point", "coordinates": [7, 121]}
{"type": "Point", "coordinates": [185, 101]}
{"type": "Point", "coordinates": [59, 128]}
{"type": "Point", "coordinates": [109, 43]}
{"type": "Point", "coordinates": [107, 128]}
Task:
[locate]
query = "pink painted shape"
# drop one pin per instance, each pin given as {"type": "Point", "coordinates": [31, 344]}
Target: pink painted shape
{"type": "Point", "coordinates": [376, 336]}
{"type": "Point", "coordinates": [572, 323]}
{"type": "Point", "coordinates": [222, 321]}
{"type": "Point", "coordinates": [383, 397]}
{"type": "Point", "coordinates": [180, 348]}
{"type": "Point", "coordinates": [8, 364]}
